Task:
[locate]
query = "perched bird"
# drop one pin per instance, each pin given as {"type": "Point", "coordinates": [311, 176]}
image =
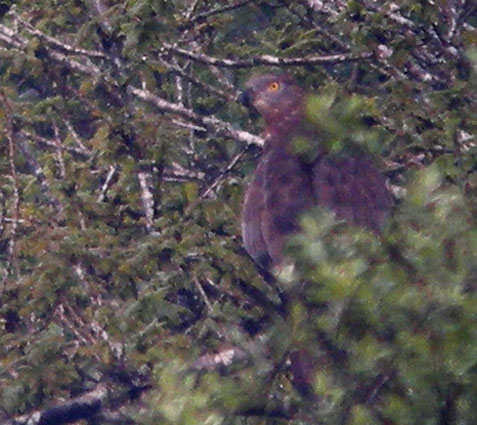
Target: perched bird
{"type": "Point", "coordinates": [285, 184]}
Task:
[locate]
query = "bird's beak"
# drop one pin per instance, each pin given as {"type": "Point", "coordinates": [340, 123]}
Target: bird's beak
{"type": "Point", "coordinates": [246, 98]}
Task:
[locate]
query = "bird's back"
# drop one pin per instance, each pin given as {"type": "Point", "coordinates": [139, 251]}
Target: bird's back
{"type": "Point", "coordinates": [284, 187]}
{"type": "Point", "coordinates": [353, 188]}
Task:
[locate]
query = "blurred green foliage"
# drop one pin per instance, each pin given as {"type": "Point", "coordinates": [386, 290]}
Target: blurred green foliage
{"type": "Point", "coordinates": [95, 290]}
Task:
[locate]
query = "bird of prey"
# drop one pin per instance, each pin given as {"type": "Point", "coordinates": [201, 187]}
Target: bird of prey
{"type": "Point", "coordinates": [285, 184]}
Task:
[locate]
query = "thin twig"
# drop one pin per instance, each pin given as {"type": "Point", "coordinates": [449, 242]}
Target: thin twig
{"type": "Point", "coordinates": [187, 125]}
{"type": "Point", "coordinates": [191, 9]}
{"type": "Point", "coordinates": [227, 169]}
{"type": "Point", "coordinates": [204, 295]}
{"type": "Point", "coordinates": [101, 10]}
{"type": "Point", "coordinates": [207, 87]}
{"type": "Point", "coordinates": [175, 172]}
{"type": "Point", "coordinates": [59, 151]}
{"type": "Point", "coordinates": [67, 322]}
{"type": "Point", "coordinates": [93, 294]}
{"type": "Point", "coordinates": [200, 17]}
{"type": "Point", "coordinates": [38, 173]}
{"type": "Point", "coordinates": [216, 182]}
{"type": "Point", "coordinates": [76, 137]}
{"type": "Point", "coordinates": [106, 184]}
{"type": "Point", "coordinates": [51, 144]}
{"type": "Point", "coordinates": [147, 198]}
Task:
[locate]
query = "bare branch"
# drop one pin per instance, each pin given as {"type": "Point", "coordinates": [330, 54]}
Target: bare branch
{"type": "Point", "coordinates": [211, 123]}
{"type": "Point", "coordinates": [54, 42]}
{"type": "Point", "coordinates": [178, 173]}
{"type": "Point", "coordinates": [84, 407]}
{"type": "Point", "coordinates": [86, 68]}
{"type": "Point", "coordinates": [9, 36]}
{"type": "Point", "coordinates": [224, 357]}
{"type": "Point", "coordinates": [187, 125]}
{"type": "Point", "coordinates": [268, 59]}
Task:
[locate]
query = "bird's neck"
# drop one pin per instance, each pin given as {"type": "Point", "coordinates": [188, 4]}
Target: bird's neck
{"type": "Point", "coordinates": [286, 118]}
{"type": "Point", "coordinates": [282, 128]}
{"type": "Point", "coordinates": [289, 134]}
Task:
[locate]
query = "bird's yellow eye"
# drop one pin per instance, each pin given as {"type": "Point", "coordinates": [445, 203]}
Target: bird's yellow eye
{"type": "Point", "coordinates": [274, 86]}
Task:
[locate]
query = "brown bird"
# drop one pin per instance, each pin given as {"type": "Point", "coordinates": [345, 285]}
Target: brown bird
{"type": "Point", "coordinates": [286, 184]}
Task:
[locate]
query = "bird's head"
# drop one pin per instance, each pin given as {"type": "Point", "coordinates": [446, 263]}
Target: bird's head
{"type": "Point", "coordinates": [277, 98]}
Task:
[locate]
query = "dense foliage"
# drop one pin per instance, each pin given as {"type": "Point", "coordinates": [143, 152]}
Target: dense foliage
{"type": "Point", "coordinates": [124, 286]}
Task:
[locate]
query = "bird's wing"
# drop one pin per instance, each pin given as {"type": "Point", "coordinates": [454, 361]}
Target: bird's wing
{"type": "Point", "coordinates": [253, 208]}
{"type": "Point", "coordinates": [353, 188]}
{"type": "Point", "coordinates": [288, 193]}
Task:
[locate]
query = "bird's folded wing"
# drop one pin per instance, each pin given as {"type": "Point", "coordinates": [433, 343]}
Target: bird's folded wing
{"type": "Point", "coordinates": [353, 188]}
{"type": "Point", "coordinates": [288, 194]}
{"type": "Point", "coordinates": [253, 208]}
